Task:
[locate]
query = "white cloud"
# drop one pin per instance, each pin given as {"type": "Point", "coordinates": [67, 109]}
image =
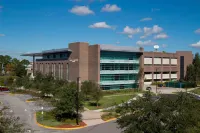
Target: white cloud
{"type": "Point", "coordinates": [142, 37]}
{"type": "Point", "coordinates": [131, 31]}
{"type": "Point", "coordinates": [81, 10]}
{"type": "Point", "coordinates": [152, 30]}
{"type": "Point", "coordinates": [2, 34]}
{"type": "Point", "coordinates": [130, 36]}
{"type": "Point", "coordinates": [164, 45]}
{"type": "Point", "coordinates": [161, 36]}
{"type": "Point", "coordinates": [196, 45]}
{"type": "Point", "coordinates": [197, 31]}
{"type": "Point", "coordinates": [146, 19]}
{"type": "Point", "coordinates": [145, 43]}
{"type": "Point", "coordinates": [100, 25]}
{"type": "Point", "coordinates": [118, 42]}
{"type": "Point", "coordinates": [110, 8]}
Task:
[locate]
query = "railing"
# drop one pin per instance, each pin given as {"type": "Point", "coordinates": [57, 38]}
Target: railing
{"type": "Point", "coordinates": [119, 71]}
{"type": "Point", "coordinates": [119, 61]}
{"type": "Point", "coordinates": [117, 82]}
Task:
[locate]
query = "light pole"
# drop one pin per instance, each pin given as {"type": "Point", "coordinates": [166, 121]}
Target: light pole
{"type": "Point", "coordinates": [77, 101]}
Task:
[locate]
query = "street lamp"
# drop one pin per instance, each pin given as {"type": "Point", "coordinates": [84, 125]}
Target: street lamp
{"type": "Point", "coordinates": [77, 101]}
{"type": "Point", "coordinates": [77, 93]}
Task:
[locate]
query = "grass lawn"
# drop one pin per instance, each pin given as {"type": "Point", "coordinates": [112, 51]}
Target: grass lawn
{"type": "Point", "coordinates": [108, 101]}
{"type": "Point", "coordinates": [49, 120]}
{"type": "Point", "coordinates": [196, 91]}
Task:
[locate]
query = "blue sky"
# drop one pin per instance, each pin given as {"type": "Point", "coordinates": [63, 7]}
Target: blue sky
{"type": "Point", "coordinates": [36, 25]}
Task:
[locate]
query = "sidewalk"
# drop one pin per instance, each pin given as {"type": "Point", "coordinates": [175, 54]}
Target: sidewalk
{"type": "Point", "coordinates": [90, 117]}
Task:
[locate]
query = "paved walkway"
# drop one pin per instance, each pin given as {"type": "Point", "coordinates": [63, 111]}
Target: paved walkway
{"type": "Point", "coordinates": [91, 117]}
{"type": "Point", "coordinates": [166, 90]}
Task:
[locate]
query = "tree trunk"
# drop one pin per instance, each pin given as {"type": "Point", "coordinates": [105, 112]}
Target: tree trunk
{"type": "Point", "coordinates": [97, 104]}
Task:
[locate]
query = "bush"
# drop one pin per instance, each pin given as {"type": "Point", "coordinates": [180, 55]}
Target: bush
{"type": "Point", "coordinates": [181, 84]}
{"type": "Point", "coordinates": [6, 80]}
{"type": "Point", "coordinates": [157, 83]}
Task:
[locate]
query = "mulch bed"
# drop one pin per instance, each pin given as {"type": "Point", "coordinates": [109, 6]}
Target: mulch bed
{"type": "Point", "coordinates": [81, 124]}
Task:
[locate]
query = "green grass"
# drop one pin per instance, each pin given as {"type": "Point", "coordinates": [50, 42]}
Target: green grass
{"type": "Point", "coordinates": [49, 120]}
{"type": "Point", "coordinates": [196, 91]}
{"type": "Point", "coordinates": [118, 92]}
{"type": "Point", "coordinates": [108, 101]}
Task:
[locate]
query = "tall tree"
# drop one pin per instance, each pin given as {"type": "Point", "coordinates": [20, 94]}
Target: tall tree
{"type": "Point", "coordinates": [25, 62]}
{"type": "Point", "coordinates": [196, 63]}
{"type": "Point", "coordinates": [190, 73]}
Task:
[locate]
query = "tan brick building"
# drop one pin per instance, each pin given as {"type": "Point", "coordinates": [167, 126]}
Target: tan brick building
{"type": "Point", "coordinates": [113, 67]}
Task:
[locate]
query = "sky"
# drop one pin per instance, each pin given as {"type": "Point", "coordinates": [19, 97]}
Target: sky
{"type": "Point", "coordinates": [36, 25]}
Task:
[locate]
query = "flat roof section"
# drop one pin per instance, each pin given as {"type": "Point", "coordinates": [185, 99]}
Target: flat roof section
{"type": "Point", "coordinates": [48, 52]}
{"type": "Point", "coordinates": [105, 47]}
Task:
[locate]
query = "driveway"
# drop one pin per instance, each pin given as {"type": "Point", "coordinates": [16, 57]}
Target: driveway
{"type": "Point", "coordinates": [19, 108]}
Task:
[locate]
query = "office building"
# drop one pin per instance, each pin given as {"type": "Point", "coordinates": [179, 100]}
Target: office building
{"type": "Point", "coordinates": [113, 67]}
{"type": "Point", "coordinates": [161, 66]}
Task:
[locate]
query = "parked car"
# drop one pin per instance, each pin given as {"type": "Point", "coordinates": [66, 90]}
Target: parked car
{"type": "Point", "coordinates": [3, 88]}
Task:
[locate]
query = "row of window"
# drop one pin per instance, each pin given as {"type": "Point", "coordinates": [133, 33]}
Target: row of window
{"type": "Point", "coordinates": [118, 55]}
{"type": "Point", "coordinates": [120, 86]}
{"type": "Point", "coordinates": [57, 70]}
{"type": "Point", "coordinates": [117, 77]}
{"type": "Point", "coordinates": [108, 66]}
{"type": "Point", "coordinates": [56, 56]}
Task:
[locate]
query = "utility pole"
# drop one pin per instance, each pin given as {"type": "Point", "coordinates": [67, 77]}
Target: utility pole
{"type": "Point", "coordinates": [77, 102]}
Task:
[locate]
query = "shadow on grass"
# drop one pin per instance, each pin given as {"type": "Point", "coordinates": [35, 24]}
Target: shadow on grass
{"type": "Point", "coordinates": [94, 104]}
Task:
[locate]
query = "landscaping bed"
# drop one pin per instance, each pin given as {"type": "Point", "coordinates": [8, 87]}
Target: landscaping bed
{"type": "Point", "coordinates": [109, 116]}
{"type": "Point", "coordinates": [49, 120]}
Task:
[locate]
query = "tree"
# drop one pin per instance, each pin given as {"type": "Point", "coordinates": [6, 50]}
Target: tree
{"type": "Point", "coordinates": [190, 73]}
{"type": "Point", "coordinates": [97, 94]}
{"type": "Point", "coordinates": [140, 78]}
{"type": "Point", "coordinates": [20, 70]}
{"type": "Point", "coordinates": [87, 88]}
{"type": "Point", "coordinates": [66, 105]}
{"type": "Point", "coordinates": [10, 124]}
{"type": "Point", "coordinates": [25, 62]}
{"type": "Point", "coordinates": [164, 114]}
{"type": "Point", "coordinates": [196, 63]}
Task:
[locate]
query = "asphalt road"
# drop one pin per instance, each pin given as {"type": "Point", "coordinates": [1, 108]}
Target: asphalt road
{"type": "Point", "coordinates": [19, 108]}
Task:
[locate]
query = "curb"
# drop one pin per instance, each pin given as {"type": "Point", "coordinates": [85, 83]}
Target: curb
{"type": "Point", "coordinates": [29, 101]}
{"type": "Point", "coordinates": [56, 128]}
{"type": "Point", "coordinates": [112, 119]}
